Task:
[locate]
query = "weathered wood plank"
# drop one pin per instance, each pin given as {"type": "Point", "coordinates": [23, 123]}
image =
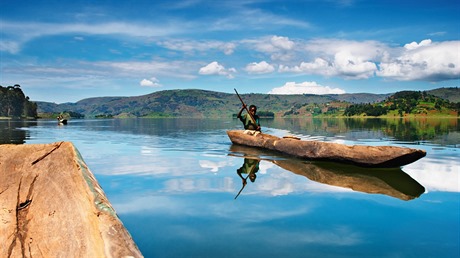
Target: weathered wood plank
{"type": "Point", "coordinates": [51, 205]}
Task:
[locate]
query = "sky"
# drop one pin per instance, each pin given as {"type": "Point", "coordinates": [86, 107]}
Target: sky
{"type": "Point", "coordinates": [66, 51]}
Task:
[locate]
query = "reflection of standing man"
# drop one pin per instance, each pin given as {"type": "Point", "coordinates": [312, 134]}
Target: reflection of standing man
{"type": "Point", "coordinates": [249, 167]}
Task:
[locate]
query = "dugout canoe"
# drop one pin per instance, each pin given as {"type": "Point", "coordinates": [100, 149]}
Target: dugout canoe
{"type": "Point", "coordinates": [359, 155]}
{"type": "Point", "coordinates": [51, 205]}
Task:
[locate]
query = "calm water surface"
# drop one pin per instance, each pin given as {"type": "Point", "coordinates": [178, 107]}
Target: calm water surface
{"type": "Point", "coordinates": [173, 183]}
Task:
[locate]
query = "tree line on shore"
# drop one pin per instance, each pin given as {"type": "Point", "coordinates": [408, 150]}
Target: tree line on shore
{"type": "Point", "coordinates": [403, 102]}
{"type": "Point", "coordinates": [14, 104]}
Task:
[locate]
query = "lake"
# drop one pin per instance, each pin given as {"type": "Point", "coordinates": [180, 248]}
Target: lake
{"type": "Point", "coordinates": [177, 186]}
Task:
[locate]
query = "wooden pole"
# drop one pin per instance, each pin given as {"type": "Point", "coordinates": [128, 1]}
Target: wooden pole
{"type": "Point", "coordinates": [245, 107]}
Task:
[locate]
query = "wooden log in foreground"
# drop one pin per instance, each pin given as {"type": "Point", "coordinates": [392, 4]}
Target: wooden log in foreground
{"type": "Point", "coordinates": [52, 206]}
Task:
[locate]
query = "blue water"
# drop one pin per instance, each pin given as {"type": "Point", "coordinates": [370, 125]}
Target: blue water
{"type": "Point", "coordinates": [173, 183]}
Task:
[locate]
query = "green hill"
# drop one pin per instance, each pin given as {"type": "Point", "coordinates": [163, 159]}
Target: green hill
{"type": "Point", "coordinates": [201, 103]}
{"type": "Point", "coordinates": [405, 103]}
{"type": "Point", "coordinates": [450, 94]}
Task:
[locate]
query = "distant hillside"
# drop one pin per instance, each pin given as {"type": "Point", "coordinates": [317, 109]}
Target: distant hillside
{"type": "Point", "coordinates": [450, 94]}
{"type": "Point", "coordinates": [201, 103]}
{"type": "Point", "coordinates": [360, 97]}
{"type": "Point", "coordinates": [404, 103]}
{"type": "Point", "coordinates": [186, 103]}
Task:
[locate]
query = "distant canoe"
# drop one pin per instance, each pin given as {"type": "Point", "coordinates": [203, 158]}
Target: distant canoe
{"type": "Point", "coordinates": [62, 121]}
{"type": "Point", "coordinates": [359, 155]}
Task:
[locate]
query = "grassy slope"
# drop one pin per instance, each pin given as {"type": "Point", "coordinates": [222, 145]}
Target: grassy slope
{"type": "Point", "coordinates": [200, 103]}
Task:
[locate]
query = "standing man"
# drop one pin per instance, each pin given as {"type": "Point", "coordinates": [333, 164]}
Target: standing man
{"type": "Point", "coordinates": [250, 121]}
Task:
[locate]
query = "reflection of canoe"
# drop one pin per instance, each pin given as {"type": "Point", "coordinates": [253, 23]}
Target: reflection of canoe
{"type": "Point", "coordinates": [364, 156]}
{"type": "Point", "coordinates": [62, 121]}
{"type": "Point", "coordinates": [390, 181]}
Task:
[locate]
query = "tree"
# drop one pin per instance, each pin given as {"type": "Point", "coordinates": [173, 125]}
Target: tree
{"type": "Point", "coordinates": [13, 103]}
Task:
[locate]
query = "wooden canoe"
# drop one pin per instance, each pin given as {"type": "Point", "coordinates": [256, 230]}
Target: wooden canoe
{"type": "Point", "coordinates": [51, 205]}
{"type": "Point", "coordinates": [359, 155]}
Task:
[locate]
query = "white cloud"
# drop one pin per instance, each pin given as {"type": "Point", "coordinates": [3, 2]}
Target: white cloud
{"type": "Point", "coordinates": [415, 45]}
{"type": "Point", "coordinates": [152, 82]}
{"type": "Point", "coordinates": [282, 43]}
{"type": "Point", "coordinates": [427, 60]}
{"type": "Point", "coordinates": [213, 165]}
{"type": "Point", "coordinates": [365, 50]}
{"type": "Point", "coordinates": [343, 58]}
{"type": "Point", "coordinates": [259, 68]}
{"type": "Point", "coordinates": [214, 68]}
{"type": "Point", "coordinates": [351, 66]}
{"type": "Point", "coordinates": [279, 48]}
{"type": "Point", "coordinates": [344, 65]}
{"type": "Point", "coordinates": [305, 88]}
{"type": "Point", "coordinates": [446, 178]}
{"type": "Point", "coordinates": [318, 66]}
{"type": "Point", "coordinates": [424, 61]}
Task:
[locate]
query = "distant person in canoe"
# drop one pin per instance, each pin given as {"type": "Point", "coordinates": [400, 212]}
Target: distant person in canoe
{"type": "Point", "coordinates": [61, 120]}
{"type": "Point", "coordinates": [250, 120]}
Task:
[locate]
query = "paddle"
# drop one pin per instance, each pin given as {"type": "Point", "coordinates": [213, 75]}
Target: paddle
{"type": "Point", "coordinates": [245, 107]}
{"type": "Point", "coordinates": [244, 184]}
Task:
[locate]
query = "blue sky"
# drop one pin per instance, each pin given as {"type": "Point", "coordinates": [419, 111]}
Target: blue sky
{"type": "Point", "coordinates": [65, 51]}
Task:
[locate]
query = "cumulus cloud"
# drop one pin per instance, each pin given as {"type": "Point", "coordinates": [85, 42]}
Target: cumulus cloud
{"type": "Point", "coordinates": [344, 65]}
{"type": "Point", "coordinates": [259, 68]}
{"type": "Point", "coordinates": [305, 88]}
{"type": "Point", "coordinates": [318, 66]}
{"type": "Point", "coordinates": [152, 82]}
{"type": "Point", "coordinates": [415, 45]}
{"type": "Point", "coordinates": [214, 68]}
{"type": "Point", "coordinates": [279, 48]}
{"type": "Point", "coordinates": [351, 66]}
{"type": "Point", "coordinates": [369, 49]}
{"type": "Point", "coordinates": [342, 58]}
{"type": "Point", "coordinates": [424, 61]}
{"type": "Point", "coordinates": [282, 42]}
{"type": "Point", "coordinates": [274, 44]}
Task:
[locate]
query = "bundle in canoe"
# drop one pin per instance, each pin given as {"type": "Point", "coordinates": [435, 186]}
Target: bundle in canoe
{"type": "Point", "coordinates": [359, 155]}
